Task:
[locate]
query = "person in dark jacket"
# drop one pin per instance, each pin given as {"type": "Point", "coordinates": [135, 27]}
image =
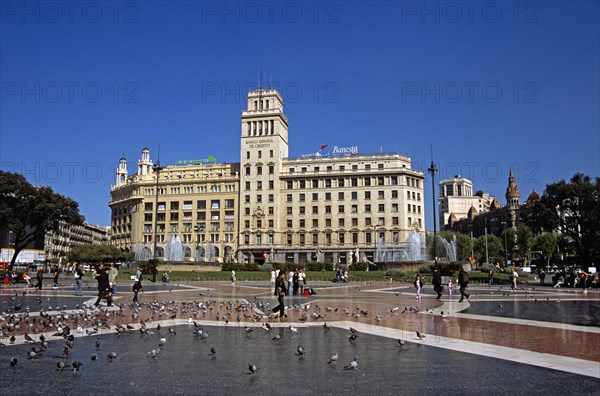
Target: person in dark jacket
{"type": "Point", "coordinates": [137, 287]}
{"type": "Point", "coordinates": [103, 285]}
{"type": "Point", "coordinates": [463, 281]}
{"type": "Point", "coordinates": [280, 290]}
{"type": "Point", "coordinates": [436, 280]}
{"type": "Point", "coordinates": [40, 277]}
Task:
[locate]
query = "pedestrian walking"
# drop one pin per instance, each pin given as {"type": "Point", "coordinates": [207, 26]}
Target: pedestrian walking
{"type": "Point", "coordinates": [40, 277]}
{"type": "Point", "coordinates": [280, 292]}
{"type": "Point", "coordinates": [436, 280]}
{"type": "Point", "coordinates": [78, 281]}
{"type": "Point", "coordinates": [463, 281]}
{"type": "Point", "coordinates": [112, 278]}
{"type": "Point", "coordinates": [137, 288]}
{"type": "Point", "coordinates": [418, 285]}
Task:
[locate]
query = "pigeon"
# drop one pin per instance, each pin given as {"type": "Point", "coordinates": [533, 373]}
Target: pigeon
{"type": "Point", "coordinates": [61, 366]}
{"type": "Point", "coordinates": [293, 329]}
{"type": "Point", "coordinates": [401, 343]}
{"type": "Point", "coordinates": [333, 359]}
{"type": "Point", "coordinates": [97, 344]}
{"type": "Point", "coordinates": [153, 353]}
{"type": "Point", "coordinates": [213, 352]}
{"type": "Point", "coordinates": [76, 365]}
{"type": "Point", "coordinates": [301, 351]}
{"type": "Point", "coordinates": [112, 355]}
{"type": "Point", "coordinates": [420, 336]}
{"type": "Point", "coordinates": [353, 337]}
{"type": "Point", "coordinates": [28, 338]}
{"type": "Point", "coordinates": [266, 326]}
{"type": "Point", "coordinates": [276, 338]}
{"type": "Point", "coordinates": [248, 329]}
{"type": "Point", "coordinates": [94, 356]}
{"type": "Point", "coordinates": [162, 341]}
{"type": "Point", "coordinates": [353, 365]}
{"type": "Point", "coordinates": [253, 369]}
{"type": "Point", "coordinates": [13, 361]}
{"type": "Point", "coordinates": [325, 326]}
{"type": "Point", "coordinates": [353, 330]}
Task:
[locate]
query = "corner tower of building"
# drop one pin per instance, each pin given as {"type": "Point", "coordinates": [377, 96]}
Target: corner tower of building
{"type": "Point", "coordinates": [264, 144]}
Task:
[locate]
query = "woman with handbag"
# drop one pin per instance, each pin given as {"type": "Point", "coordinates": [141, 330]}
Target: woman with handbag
{"type": "Point", "coordinates": [103, 286]}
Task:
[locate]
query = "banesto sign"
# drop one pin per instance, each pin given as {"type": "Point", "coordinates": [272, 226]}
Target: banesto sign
{"type": "Point", "coordinates": [345, 150]}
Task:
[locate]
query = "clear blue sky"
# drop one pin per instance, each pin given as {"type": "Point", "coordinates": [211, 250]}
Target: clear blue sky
{"type": "Point", "coordinates": [493, 86]}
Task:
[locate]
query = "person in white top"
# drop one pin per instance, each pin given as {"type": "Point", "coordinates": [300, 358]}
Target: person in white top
{"type": "Point", "coordinates": [290, 282]}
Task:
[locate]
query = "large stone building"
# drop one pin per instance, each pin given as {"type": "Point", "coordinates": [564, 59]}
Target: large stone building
{"type": "Point", "coordinates": [456, 200]}
{"type": "Point", "coordinates": [498, 218]}
{"type": "Point", "coordinates": [320, 207]}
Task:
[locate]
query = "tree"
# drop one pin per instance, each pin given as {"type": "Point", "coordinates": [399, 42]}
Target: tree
{"type": "Point", "coordinates": [495, 248]}
{"type": "Point", "coordinates": [545, 243]}
{"type": "Point", "coordinates": [96, 254]}
{"type": "Point", "coordinates": [29, 212]}
{"type": "Point", "coordinates": [524, 240]}
{"type": "Point", "coordinates": [573, 209]}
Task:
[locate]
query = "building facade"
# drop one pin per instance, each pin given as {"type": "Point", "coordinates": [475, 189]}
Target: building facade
{"type": "Point", "coordinates": [270, 206]}
{"type": "Point", "coordinates": [58, 243]}
{"type": "Point", "coordinates": [456, 200]}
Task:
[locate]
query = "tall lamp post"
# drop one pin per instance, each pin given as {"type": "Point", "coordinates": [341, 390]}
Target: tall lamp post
{"type": "Point", "coordinates": [505, 243]}
{"type": "Point", "coordinates": [157, 168]}
{"type": "Point", "coordinates": [433, 169]}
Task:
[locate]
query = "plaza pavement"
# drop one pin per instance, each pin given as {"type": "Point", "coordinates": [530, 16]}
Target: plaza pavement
{"type": "Point", "coordinates": [537, 339]}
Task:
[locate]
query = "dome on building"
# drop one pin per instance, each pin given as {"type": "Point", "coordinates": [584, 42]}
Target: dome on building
{"type": "Point", "coordinates": [452, 219]}
{"type": "Point", "coordinates": [472, 212]}
{"type": "Point", "coordinates": [533, 196]}
{"type": "Point", "coordinates": [495, 204]}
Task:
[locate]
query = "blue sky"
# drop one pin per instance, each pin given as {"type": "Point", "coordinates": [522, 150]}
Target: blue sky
{"type": "Point", "coordinates": [493, 86]}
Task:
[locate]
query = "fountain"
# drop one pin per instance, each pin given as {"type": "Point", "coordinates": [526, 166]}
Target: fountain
{"type": "Point", "coordinates": [414, 247]}
{"type": "Point", "coordinates": [175, 249]}
{"type": "Point", "coordinates": [142, 252]}
{"type": "Point", "coordinates": [450, 247]}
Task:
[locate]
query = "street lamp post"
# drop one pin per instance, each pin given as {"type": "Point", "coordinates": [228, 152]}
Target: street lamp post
{"type": "Point", "coordinates": [157, 168]}
{"type": "Point", "coordinates": [433, 169]}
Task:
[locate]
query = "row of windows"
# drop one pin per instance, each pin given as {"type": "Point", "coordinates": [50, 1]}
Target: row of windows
{"type": "Point", "coordinates": [368, 208]}
{"type": "Point", "coordinates": [353, 195]}
{"type": "Point", "coordinates": [200, 227]}
{"type": "Point", "coordinates": [314, 223]}
{"type": "Point", "coordinates": [329, 238]}
{"type": "Point", "coordinates": [259, 154]}
{"type": "Point", "coordinates": [213, 188]}
{"type": "Point", "coordinates": [188, 216]}
{"type": "Point", "coordinates": [188, 205]}
{"type": "Point", "coordinates": [341, 168]}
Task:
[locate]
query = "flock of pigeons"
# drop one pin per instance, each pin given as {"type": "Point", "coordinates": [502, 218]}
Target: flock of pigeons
{"type": "Point", "coordinates": [19, 324]}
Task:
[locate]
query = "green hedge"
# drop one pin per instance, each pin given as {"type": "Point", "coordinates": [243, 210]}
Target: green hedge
{"type": "Point", "coordinates": [240, 267]}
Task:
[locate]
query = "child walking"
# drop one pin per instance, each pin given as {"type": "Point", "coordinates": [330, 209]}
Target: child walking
{"type": "Point", "coordinates": [137, 287]}
{"type": "Point", "coordinates": [418, 285]}
{"type": "Point", "coordinates": [450, 288]}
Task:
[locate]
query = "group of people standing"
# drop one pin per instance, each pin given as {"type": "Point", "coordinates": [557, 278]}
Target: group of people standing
{"type": "Point", "coordinates": [296, 285]}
